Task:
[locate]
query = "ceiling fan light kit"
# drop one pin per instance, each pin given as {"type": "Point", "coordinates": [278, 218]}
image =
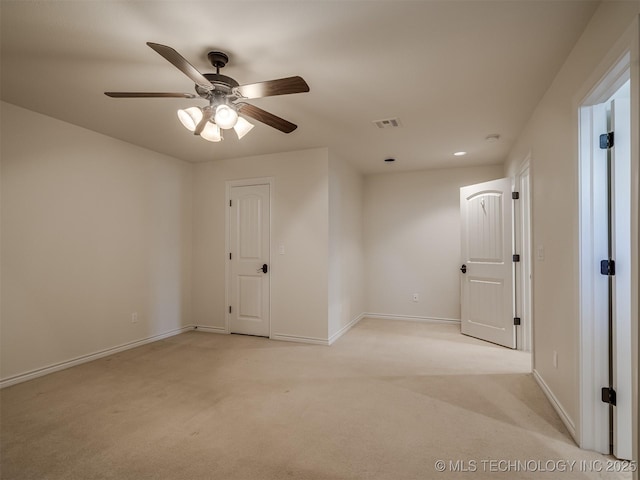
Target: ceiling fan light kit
{"type": "Point", "coordinates": [211, 132]}
{"type": "Point", "coordinates": [225, 117]}
{"type": "Point", "coordinates": [242, 127]}
{"type": "Point", "coordinates": [225, 95]}
{"type": "Point", "coordinates": [190, 117]}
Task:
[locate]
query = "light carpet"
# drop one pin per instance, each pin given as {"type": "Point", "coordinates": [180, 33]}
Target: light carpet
{"type": "Point", "coordinates": [387, 401]}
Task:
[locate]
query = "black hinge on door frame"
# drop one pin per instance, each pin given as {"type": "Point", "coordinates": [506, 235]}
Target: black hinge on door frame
{"type": "Point", "coordinates": [516, 321]}
{"type": "Point", "coordinates": [229, 308]}
{"type": "Point", "coordinates": [230, 202]}
{"type": "Point", "coordinates": [608, 267]}
{"type": "Point", "coordinates": [230, 255]}
{"type": "Point", "coordinates": [606, 140]}
{"type": "Point", "coordinates": [515, 195]}
{"type": "Point", "coordinates": [516, 258]}
{"type": "Point", "coordinates": [609, 395]}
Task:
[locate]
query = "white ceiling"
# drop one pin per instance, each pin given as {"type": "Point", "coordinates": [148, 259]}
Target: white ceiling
{"type": "Point", "coordinates": [452, 71]}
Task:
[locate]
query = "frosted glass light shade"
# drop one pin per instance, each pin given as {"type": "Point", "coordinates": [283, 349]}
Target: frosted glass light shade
{"type": "Point", "coordinates": [190, 117]}
{"type": "Point", "coordinates": [225, 117]}
{"type": "Point", "coordinates": [211, 132]}
{"type": "Point", "coordinates": [242, 127]}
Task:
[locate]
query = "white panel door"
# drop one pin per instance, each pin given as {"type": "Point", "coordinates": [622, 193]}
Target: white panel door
{"type": "Point", "coordinates": [621, 253]}
{"type": "Point", "coordinates": [595, 287]}
{"type": "Point", "coordinates": [249, 260]}
{"type": "Point", "coordinates": [487, 286]}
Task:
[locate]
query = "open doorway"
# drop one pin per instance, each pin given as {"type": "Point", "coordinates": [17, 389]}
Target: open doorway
{"type": "Point", "coordinates": [606, 211]}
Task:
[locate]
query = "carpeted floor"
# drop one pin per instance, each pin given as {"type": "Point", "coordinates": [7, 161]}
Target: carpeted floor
{"type": "Point", "coordinates": [386, 401]}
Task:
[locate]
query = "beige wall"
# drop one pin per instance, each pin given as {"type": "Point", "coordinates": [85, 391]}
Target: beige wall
{"type": "Point", "coordinates": [299, 219]}
{"type": "Point", "coordinates": [551, 137]}
{"type": "Point", "coordinates": [412, 240]}
{"type": "Point", "coordinates": [346, 249]}
{"type": "Point", "coordinates": [93, 229]}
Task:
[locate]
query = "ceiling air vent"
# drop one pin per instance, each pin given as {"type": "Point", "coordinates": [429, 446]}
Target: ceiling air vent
{"type": "Point", "coordinates": [388, 123]}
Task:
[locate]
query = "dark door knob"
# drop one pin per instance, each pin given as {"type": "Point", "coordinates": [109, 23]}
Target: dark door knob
{"type": "Point", "coordinates": [463, 269]}
{"type": "Point", "coordinates": [263, 269]}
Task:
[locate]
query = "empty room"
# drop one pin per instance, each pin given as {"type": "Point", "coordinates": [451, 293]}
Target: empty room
{"type": "Point", "coordinates": [319, 239]}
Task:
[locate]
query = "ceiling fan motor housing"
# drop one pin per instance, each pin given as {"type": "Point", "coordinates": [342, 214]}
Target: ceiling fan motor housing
{"type": "Point", "coordinates": [222, 83]}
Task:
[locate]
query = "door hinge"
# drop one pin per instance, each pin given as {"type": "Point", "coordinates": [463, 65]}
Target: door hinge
{"type": "Point", "coordinates": [608, 267]}
{"type": "Point", "coordinates": [229, 308]}
{"type": "Point", "coordinates": [516, 258]}
{"type": "Point", "coordinates": [606, 140]}
{"type": "Point", "coordinates": [609, 395]}
{"type": "Point", "coordinates": [229, 255]}
{"type": "Point", "coordinates": [515, 195]}
{"type": "Point", "coordinates": [516, 320]}
{"type": "Point", "coordinates": [230, 202]}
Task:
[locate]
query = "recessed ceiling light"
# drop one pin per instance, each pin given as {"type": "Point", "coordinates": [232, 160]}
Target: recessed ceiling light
{"type": "Point", "coordinates": [459, 154]}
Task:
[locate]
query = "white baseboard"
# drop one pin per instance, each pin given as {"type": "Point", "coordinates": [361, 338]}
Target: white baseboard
{"type": "Point", "coordinates": [557, 406]}
{"type": "Point", "coordinates": [205, 328]}
{"type": "Point", "coordinates": [278, 336]}
{"type": "Point", "coordinates": [295, 338]}
{"type": "Point", "coordinates": [354, 322]}
{"type": "Point", "coordinates": [345, 329]}
{"type": "Point", "coordinates": [411, 318]}
{"type": "Point", "coordinates": [23, 377]}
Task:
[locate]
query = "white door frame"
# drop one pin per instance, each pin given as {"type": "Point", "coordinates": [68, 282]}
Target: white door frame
{"type": "Point", "coordinates": [524, 270]}
{"type": "Point", "coordinates": [229, 184]}
{"type": "Point", "coordinates": [620, 68]}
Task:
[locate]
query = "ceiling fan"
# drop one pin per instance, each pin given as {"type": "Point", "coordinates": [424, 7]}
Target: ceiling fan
{"type": "Point", "coordinates": [226, 97]}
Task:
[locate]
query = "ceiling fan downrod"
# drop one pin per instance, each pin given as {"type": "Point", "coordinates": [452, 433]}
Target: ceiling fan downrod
{"type": "Point", "coordinates": [218, 60]}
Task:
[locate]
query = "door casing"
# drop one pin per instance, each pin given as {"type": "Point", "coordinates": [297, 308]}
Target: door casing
{"type": "Point", "coordinates": [524, 269]}
{"type": "Point", "coordinates": [593, 430]}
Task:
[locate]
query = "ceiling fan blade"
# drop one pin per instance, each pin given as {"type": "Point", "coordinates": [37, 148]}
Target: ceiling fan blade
{"type": "Point", "coordinates": [182, 64]}
{"type": "Point", "coordinates": [148, 95]}
{"type": "Point", "coordinates": [270, 88]}
{"type": "Point", "coordinates": [266, 117]}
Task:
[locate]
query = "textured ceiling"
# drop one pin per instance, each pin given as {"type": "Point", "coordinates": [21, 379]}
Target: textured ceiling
{"type": "Point", "coordinates": [453, 72]}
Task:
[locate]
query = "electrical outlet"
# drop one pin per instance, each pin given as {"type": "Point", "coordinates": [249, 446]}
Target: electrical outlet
{"type": "Point", "coordinates": [134, 317]}
{"type": "Point", "coordinates": [415, 297]}
{"type": "Point", "coordinates": [555, 359]}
